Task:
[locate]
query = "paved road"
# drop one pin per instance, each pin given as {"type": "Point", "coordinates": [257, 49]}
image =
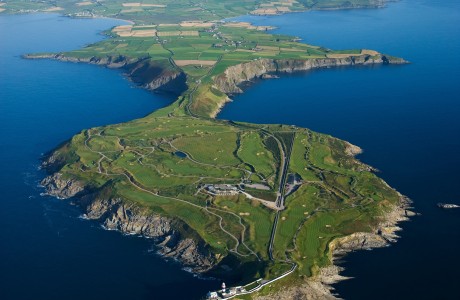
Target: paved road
{"type": "Point", "coordinates": [285, 159]}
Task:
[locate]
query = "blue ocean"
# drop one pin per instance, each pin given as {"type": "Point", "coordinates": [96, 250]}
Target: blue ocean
{"type": "Point", "coordinates": [406, 118]}
{"type": "Point", "coordinates": [47, 251]}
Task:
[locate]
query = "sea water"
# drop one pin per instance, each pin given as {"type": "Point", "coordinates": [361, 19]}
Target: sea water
{"type": "Point", "coordinates": [406, 118]}
{"type": "Point", "coordinates": [46, 250]}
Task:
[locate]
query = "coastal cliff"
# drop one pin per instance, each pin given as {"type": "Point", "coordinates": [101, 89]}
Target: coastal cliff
{"type": "Point", "coordinates": [149, 74]}
{"type": "Point", "coordinates": [175, 240]}
{"type": "Point", "coordinates": [230, 81]}
{"type": "Point", "coordinates": [173, 237]}
{"type": "Point", "coordinates": [161, 75]}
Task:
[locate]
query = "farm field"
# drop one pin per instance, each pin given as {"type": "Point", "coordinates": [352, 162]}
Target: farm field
{"type": "Point", "coordinates": [175, 11]}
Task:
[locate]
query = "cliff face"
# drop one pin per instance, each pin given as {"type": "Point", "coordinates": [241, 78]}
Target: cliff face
{"type": "Point", "coordinates": [55, 185]}
{"type": "Point", "coordinates": [229, 81]}
{"type": "Point", "coordinates": [118, 214]}
{"type": "Point", "coordinates": [148, 74]}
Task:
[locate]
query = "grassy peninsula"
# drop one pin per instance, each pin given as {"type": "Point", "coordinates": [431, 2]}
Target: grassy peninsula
{"type": "Point", "coordinates": [248, 203]}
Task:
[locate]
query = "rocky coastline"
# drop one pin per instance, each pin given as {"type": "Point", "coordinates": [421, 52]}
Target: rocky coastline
{"type": "Point", "coordinates": [173, 238]}
{"type": "Point", "coordinates": [176, 241]}
{"type": "Point", "coordinates": [231, 81]}
{"type": "Point", "coordinates": [320, 287]}
{"type": "Point", "coordinates": [154, 76]}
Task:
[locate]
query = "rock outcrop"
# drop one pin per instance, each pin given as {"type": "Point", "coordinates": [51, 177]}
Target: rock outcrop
{"type": "Point", "coordinates": [56, 185]}
{"type": "Point", "coordinates": [117, 214]}
{"type": "Point", "coordinates": [174, 238]}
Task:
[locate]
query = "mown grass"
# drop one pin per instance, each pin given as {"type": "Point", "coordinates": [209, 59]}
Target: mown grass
{"type": "Point", "coordinates": [299, 163]}
{"type": "Point", "coordinates": [253, 151]}
{"type": "Point", "coordinates": [299, 208]}
{"type": "Point", "coordinates": [219, 152]}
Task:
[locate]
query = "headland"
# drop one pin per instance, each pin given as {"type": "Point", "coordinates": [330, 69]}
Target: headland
{"type": "Point", "coordinates": [209, 207]}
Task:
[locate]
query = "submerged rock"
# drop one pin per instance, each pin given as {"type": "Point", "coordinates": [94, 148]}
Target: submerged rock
{"type": "Point", "coordinates": [448, 205]}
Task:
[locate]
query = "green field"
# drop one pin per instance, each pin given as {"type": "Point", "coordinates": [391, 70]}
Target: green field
{"type": "Point", "coordinates": [332, 201]}
{"type": "Point", "coordinates": [172, 11]}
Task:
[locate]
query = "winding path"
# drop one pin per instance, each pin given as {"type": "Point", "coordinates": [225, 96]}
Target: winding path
{"type": "Point", "coordinates": [206, 208]}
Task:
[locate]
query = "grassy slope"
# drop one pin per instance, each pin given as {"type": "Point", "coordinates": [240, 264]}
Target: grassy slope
{"type": "Point", "coordinates": [347, 199]}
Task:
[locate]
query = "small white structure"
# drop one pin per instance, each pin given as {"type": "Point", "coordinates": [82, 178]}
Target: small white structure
{"type": "Point", "coordinates": [212, 295]}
